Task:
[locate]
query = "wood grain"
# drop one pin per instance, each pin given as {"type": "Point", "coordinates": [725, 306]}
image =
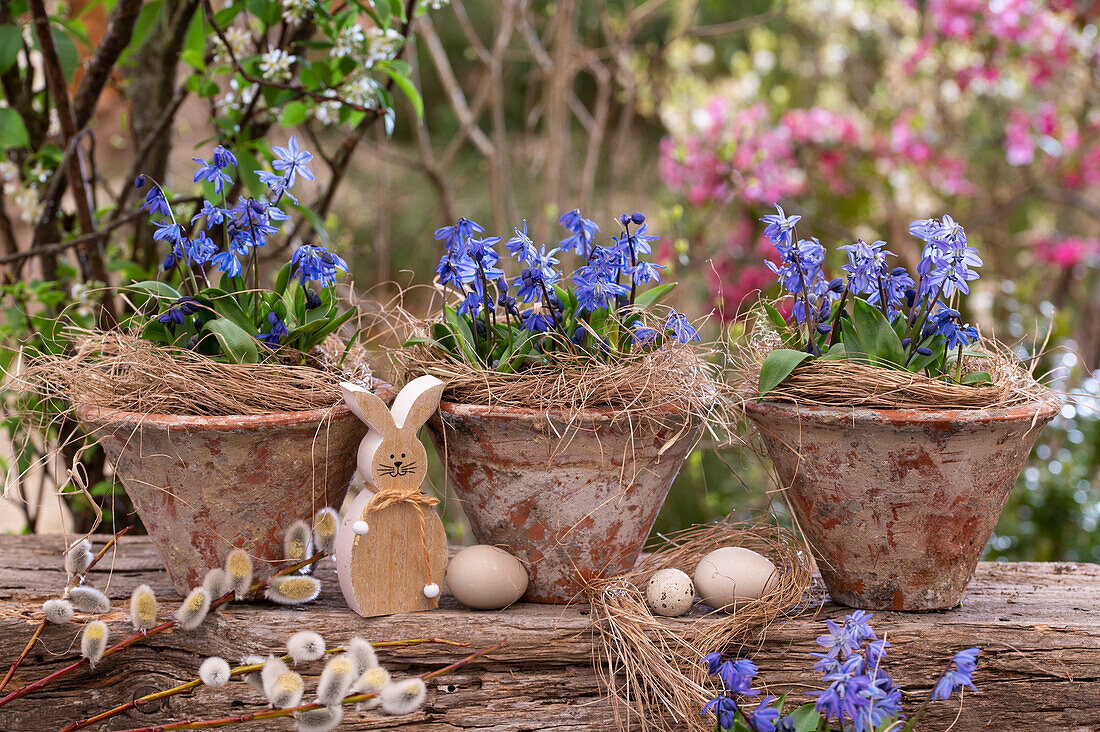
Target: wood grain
{"type": "Point", "coordinates": [1037, 625]}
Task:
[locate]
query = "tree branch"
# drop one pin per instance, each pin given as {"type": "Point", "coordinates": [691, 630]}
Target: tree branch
{"type": "Point", "coordinates": [120, 30]}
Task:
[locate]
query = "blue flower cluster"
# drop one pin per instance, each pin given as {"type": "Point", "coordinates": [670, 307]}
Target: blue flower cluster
{"type": "Point", "coordinates": [607, 280]}
{"type": "Point", "coordinates": [224, 237]}
{"type": "Point", "coordinates": [921, 306]}
{"type": "Point", "coordinates": [858, 692]}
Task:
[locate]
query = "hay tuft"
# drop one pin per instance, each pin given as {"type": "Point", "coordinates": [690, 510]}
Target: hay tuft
{"type": "Point", "coordinates": [116, 370]}
{"type": "Point", "coordinates": [677, 384]}
{"type": "Point", "coordinates": [651, 666]}
{"type": "Point", "coordinates": [854, 384]}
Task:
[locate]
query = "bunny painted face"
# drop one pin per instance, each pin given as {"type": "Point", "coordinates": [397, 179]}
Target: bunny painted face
{"type": "Point", "coordinates": [391, 456]}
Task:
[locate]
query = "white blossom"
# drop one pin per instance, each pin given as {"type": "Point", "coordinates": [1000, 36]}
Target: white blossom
{"type": "Point", "coordinates": [275, 65]}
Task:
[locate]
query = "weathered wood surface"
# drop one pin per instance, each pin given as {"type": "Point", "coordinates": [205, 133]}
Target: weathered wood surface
{"type": "Point", "coordinates": [1037, 624]}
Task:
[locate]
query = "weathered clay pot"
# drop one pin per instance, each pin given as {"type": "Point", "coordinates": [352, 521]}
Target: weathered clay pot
{"type": "Point", "coordinates": [898, 505]}
{"type": "Point", "coordinates": [573, 501]}
{"type": "Point", "coordinates": [202, 485]}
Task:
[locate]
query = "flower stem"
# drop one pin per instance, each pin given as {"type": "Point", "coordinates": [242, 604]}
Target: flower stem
{"type": "Point", "coordinates": [277, 713]}
{"type": "Point", "coordinates": [42, 625]}
{"type": "Point", "coordinates": [244, 669]}
{"type": "Point", "coordinates": [139, 635]}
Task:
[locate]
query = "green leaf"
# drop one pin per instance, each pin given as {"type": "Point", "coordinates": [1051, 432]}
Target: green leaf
{"type": "Point", "coordinates": [461, 329]}
{"type": "Point", "coordinates": [874, 338]}
{"type": "Point", "coordinates": [653, 295]}
{"type": "Point", "coordinates": [13, 133]}
{"type": "Point", "coordinates": [193, 58]}
{"type": "Point", "coordinates": [225, 16]}
{"type": "Point", "coordinates": [777, 366]}
{"type": "Point", "coordinates": [236, 343]}
{"type": "Point", "coordinates": [11, 43]}
{"type": "Point", "coordinates": [226, 306]}
{"type": "Point", "coordinates": [806, 718]}
{"type": "Point", "coordinates": [408, 88]}
{"type": "Point", "coordinates": [294, 113]}
{"type": "Point", "coordinates": [836, 352]}
{"type": "Point", "coordinates": [283, 279]}
{"type": "Point", "coordinates": [327, 328]}
{"type": "Point", "coordinates": [776, 317]}
{"type": "Point", "coordinates": [67, 54]}
{"type": "Point", "coordinates": [155, 288]}
{"type": "Point", "coordinates": [977, 377]}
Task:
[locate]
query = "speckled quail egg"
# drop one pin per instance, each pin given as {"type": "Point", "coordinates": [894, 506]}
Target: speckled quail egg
{"type": "Point", "coordinates": [670, 592]}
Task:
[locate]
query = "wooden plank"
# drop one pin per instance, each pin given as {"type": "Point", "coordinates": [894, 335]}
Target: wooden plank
{"type": "Point", "coordinates": [1037, 626]}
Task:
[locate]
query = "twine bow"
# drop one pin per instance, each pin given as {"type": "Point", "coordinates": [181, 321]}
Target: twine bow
{"type": "Point", "coordinates": [392, 496]}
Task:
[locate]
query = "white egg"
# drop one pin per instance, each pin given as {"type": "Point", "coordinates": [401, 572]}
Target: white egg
{"type": "Point", "coordinates": [732, 574]}
{"type": "Point", "coordinates": [670, 592]}
{"type": "Point", "coordinates": [484, 577]}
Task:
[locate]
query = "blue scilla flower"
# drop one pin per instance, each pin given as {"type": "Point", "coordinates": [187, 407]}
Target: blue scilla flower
{"type": "Point", "coordinates": [962, 675]}
{"type": "Point", "coordinates": [858, 625]}
{"type": "Point", "coordinates": [456, 236]}
{"type": "Point", "coordinates": [277, 333]}
{"type": "Point", "coordinates": [277, 184]}
{"type": "Point", "coordinates": [866, 263]}
{"type": "Point", "coordinates": [581, 232]}
{"type": "Point", "coordinates": [639, 240]}
{"type": "Point", "coordinates": [482, 252]}
{"type": "Point", "coordinates": [897, 284]}
{"type": "Point", "coordinates": [455, 270]}
{"type": "Point", "coordinates": [838, 642]}
{"type": "Point", "coordinates": [168, 231]}
{"type": "Point", "coordinates": [924, 229]}
{"type": "Point", "coordinates": [215, 216]}
{"type": "Point", "coordinates": [800, 264]}
{"type": "Point", "coordinates": [677, 324]}
{"type": "Point", "coordinates": [949, 232]}
{"type": "Point", "coordinates": [521, 246]}
{"type": "Point", "coordinates": [821, 297]}
{"type": "Point", "coordinates": [645, 272]}
{"type": "Point", "coordinates": [292, 161]}
{"type": "Point", "coordinates": [212, 172]}
{"type": "Point", "coordinates": [155, 202]}
{"type": "Point", "coordinates": [596, 291]}
{"type": "Point", "coordinates": [200, 249]}
{"type": "Point", "coordinates": [227, 262]}
{"type": "Point", "coordinates": [529, 285]}
{"type": "Point", "coordinates": [712, 660]}
{"type": "Point", "coordinates": [738, 675]}
{"type": "Point", "coordinates": [643, 336]}
{"type": "Point", "coordinates": [780, 227]}
{"type": "Point", "coordinates": [763, 718]}
{"type": "Point", "coordinates": [471, 304]}
{"type": "Point", "coordinates": [724, 708]}
{"type": "Point", "coordinates": [535, 320]}
{"type": "Point", "coordinates": [180, 309]}
{"type": "Point", "coordinates": [317, 264]}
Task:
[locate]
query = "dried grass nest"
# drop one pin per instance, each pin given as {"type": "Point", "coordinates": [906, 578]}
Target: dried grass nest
{"type": "Point", "coordinates": [651, 666]}
{"type": "Point", "coordinates": [116, 370]}
{"type": "Point", "coordinates": [868, 386]}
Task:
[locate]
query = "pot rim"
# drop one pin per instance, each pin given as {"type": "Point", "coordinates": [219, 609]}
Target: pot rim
{"type": "Point", "coordinates": [224, 423]}
{"type": "Point", "coordinates": [1042, 410]}
{"type": "Point", "coordinates": [532, 414]}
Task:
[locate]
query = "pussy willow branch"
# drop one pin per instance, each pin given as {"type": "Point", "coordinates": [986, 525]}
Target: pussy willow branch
{"type": "Point", "coordinates": [244, 669]}
{"type": "Point", "coordinates": [277, 713]}
{"type": "Point", "coordinates": [135, 637]}
{"type": "Point", "coordinates": [72, 583]}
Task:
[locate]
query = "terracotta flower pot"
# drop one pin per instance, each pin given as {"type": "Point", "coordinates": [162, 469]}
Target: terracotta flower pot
{"type": "Point", "coordinates": [898, 505]}
{"type": "Point", "coordinates": [202, 485]}
{"type": "Point", "coordinates": [573, 501]}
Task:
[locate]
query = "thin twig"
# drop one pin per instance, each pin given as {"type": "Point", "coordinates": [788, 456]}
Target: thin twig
{"type": "Point", "coordinates": [277, 713]}
{"type": "Point", "coordinates": [243, 669]}
{"type": "Point", "coordinates": [71, 584]}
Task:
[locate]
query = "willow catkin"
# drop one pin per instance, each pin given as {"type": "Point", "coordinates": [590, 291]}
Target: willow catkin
{"type": "Point", "coordinates": [292, 590]}
{"type": "Point", "coordinates": [298, 542]}
{"type": "Point", "coordinates": [215, 672]}
{"type": "Point", "coordinates": [336, 680]}
{"type": "Point", "coordinates": [238, 570]}
{"type": "Point", "coordinates": [362, 654]}
{"type": "Point", "coordinates": [93, 641]}
{"type": "Point", "coordinates": [193, 610]}
{"type": "Point", "coordinates": [325, 525]}
{"type": "Point", "coordinates": [403, 697]}
{"type": "Point", "coordinates": [305, 646]}
{"type": "Point", "coordinates": [89, 600]}
{"type": "Point", "coordinates": [143, 608]}
{"type": "Point", "coordinates": [324, 719]}
{"type": "Point", "coordinates": [216, 583]}
{"type": "Point", "coordinates": [78, 557]}
{"type": "Point", "coordinates": [57, 611]}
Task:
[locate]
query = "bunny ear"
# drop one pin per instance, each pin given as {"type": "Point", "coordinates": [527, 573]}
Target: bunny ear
{"type": "Point", "coordinates": [367, 406]}
{"type": "Point", "coordinates": [416, 402]}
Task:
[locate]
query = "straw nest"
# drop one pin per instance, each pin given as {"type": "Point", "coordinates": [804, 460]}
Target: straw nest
{"type": "Point", "coordinates": [651, 666]}
{"type": "Point", "coordinates": [854, 384]}
{"type": "Point", "coordinates": [676, 384]}
{"type": "Point", "coordinates": [116, 370]}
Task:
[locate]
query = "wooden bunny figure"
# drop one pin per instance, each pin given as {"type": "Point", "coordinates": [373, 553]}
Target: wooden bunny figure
{"type": "Point", "coordinates": [391, 549]}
